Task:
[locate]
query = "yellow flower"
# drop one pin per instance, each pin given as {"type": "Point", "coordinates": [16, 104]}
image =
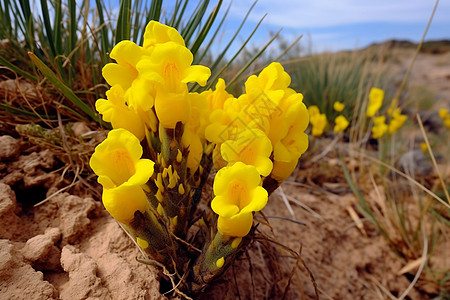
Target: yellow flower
{"type": "Point", "coordinates": [199, 116]}
{"type": "Point", "coordinates": [375, 101]}
{"type": "Point", "coordinates": [282, 169]}
{"type": "Point", "coordinates": [447, 122]}
{"type": "Point", "coordinates": [115, 110]}
{"type": "Point", "coordinates": [172, 108]}
{"type": "Point", "coordinates": [318, 122]}
{"type": "Point", "coordinates": [424, 147]}
{"type": "Point", "coordinates": [217, 98]}
{"type": "Point", "coordinates": [272, 77]}
{"type": "Point", "coordinates": [379, 128]}
{"type": "Point", "coordinates": [123, 201]}
{"type": "Point", "coordinates": [269, 87]}
{"type": "Point", "coordinates": [443, 113]}
{"type": "Point", "coordinates": [341, 124]}
{"type": "Point", "coordinates": [127, 54]}
{"type": "Point", "coordinates": [445, 116]}
{"type": "Point", "coordinates": [117, 161]}
{"type": "Point", "coordinates": [157, 33]}
{"type": "Point", "coordinates": [338, 106]}
{"type": "Point", "coordinates": [169, 65]}
{"type": "Point", "coordinates": [237, 195]}
{"type": "Point", "coordinates": [251, 147]}
{"type": "Point", "coordinates": [397, 121]}
{"type": "Point", "coordinates": [313, 110]}
{"type": "Point", "coordinates": [294, 141]}
{"type": "Point", "coordinates": [392, 107]}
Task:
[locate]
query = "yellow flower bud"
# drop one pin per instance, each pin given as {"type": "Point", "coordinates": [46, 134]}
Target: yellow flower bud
{"type": "Point", "coordinates": [142, 243]}
{"type": "Point", "coordinates": [220, 262]}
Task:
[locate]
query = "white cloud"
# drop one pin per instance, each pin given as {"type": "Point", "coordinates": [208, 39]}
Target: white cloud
{"type": "Point", "coordinates": [324, 13]}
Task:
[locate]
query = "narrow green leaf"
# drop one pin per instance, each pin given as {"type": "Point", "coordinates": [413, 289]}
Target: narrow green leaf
{"type": "Point", "coordinates": [198, 58]}
{"type": "Point", "coordinates": [194, 21]}
{"type": "Point", "coordinates": [58, 28]}
{"type": "Point", "coordinates": [103, 32]}
{"type": "Point", "coordinates": [16, 69]}
{"type": "Point", "coordinates": [180, 16]}
{"type": "Point", "coordinates": [123, 21]}
{"type": "Point", "coordinates": [205, 30]}
{"type": "Point", "coordinates": [66, 91]}
{"type": "Point", "coordinates": [18, 111]}
{"type": "Point", "coordinates": [235, 78]}
{"type": "Point", "coordinates": [222, 54]}
{"type": "Point", "coordinates": [48, 28]}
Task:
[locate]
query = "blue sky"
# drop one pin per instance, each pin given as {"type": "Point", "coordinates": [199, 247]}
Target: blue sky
{"type": "Point", "coordinates": [344, 24]}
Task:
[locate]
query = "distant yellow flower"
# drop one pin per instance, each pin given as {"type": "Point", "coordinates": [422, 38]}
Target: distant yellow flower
{"type": "Point", "coordinates": [313, 110]}
{"type": "Point", "coordinates": [318, 122]}
{"type": "Point", "coordinates": [237, 195]}
{"type": "Point", "coordinates": [341, 124]}
{"type": "Point", "coordinates": [445, 116]}
{"type": "Point", "coordinates": [379, 128]}
{"type": "Point", "coordinates": [392, 107]}
{"type": "Point", "coordinates": [375, 101]}
{"type": "Point", "coordinates": [115, 110]}
{"type": "Point", "coordinates": [338, 106]}
{"type": "Point", "coordinates": [424, 147]}
{"type": "Point", "coordinates": [397, 121]}
{"type": "Point", "coordinates": [251, 147]}
{"type": "Point", "coordinates": [443, 113]}
{"type": "Point", "coordinates": [117, 161]}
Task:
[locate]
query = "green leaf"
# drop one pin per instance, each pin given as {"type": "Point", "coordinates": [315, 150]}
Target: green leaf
{"type": "Point", "coordinates": [66, 91]}
{"type": "Point", "coordinates": [16, 69]}
{"type": "Point", "coordinates": [123, 21]}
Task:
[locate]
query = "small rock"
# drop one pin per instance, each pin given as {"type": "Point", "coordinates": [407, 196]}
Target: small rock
{"type": "Point", "coordinates": [9, 147]}
{"type": "Point", "coordinates": [80, 128]}
{"type": "Point", "coordinates": [415, 161]}
{"type": "Point", "coordinates": [39, 246]}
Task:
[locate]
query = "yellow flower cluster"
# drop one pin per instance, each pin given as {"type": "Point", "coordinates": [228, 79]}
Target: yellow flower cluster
{"type": "Point", "coordinates": [257, 135]}
{"type": "Point", "coordinates": [445, 116]}
{"type": "Point", "coordinates": [149, 83]}
{"type": "Point", "coordinates": [379, 128]}
{"type": "Point", "coordinates": [396, 119]}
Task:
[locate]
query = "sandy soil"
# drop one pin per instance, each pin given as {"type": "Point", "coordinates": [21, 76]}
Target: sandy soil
{"type": "Point", "coordinates": [70, 248]}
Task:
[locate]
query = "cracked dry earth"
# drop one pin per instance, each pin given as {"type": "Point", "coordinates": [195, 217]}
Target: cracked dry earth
{"type": "Point", "coordinates": [70, 248]}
